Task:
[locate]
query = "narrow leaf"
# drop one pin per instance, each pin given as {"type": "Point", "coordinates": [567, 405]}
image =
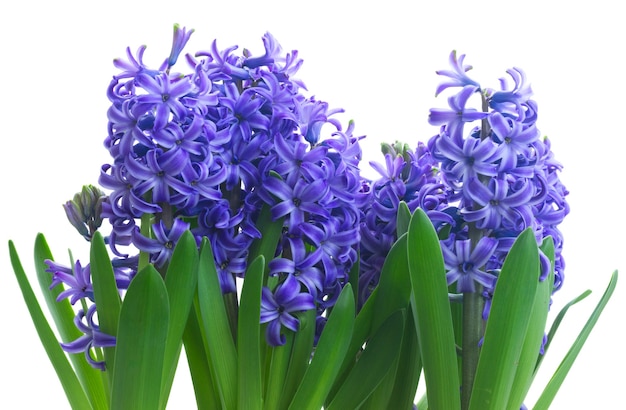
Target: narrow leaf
{"type": "Point", "coordinates": [300, 355]}
{"type": "Point", "coordinates": [181, 280]}
{"type": "Point", "coordinates": [220, 345]}
{"type": "Point", "coordinates": [506, 327]}
{"type": "Point", "coordinates": [534, 333]}
{"type": "Point", "coordinates": [409, 367]}
{"type": "Point", "coordinates": [557, 379]}
{"type": "Point", "coordinates": [392, 293]}
{"type": "Point", "coordinates": [106, 295]}
{"type": "Point", "coordinates": [267, 243]}
{"type": "Point", "coordinates": [140, 345]}
{"type": "Point", "coordinates": [249, 353]}
{"type": "Point", "coordinates": [432, 312]}
{"type": "Point", "coordinates": [198, 362]}
{"type": "Point", "coordinates": [70, 383]}
{"type": "Point", "coordinates": [402, 219]}
{"type": "Point", "coordinates": [63, 315]}
{"type": "Point", "coordinates": [557, 322]}
{"type": "Point", "coordinates": [373, 365]}
{"type": "Point", "coordinates": [329, 354]}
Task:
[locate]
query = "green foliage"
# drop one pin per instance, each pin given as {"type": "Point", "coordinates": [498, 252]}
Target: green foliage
{"type": "Point", "coordinates": [369, 358]}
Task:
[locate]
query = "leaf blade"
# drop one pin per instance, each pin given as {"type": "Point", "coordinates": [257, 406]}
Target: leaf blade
{"type": "Point", "coordinates": [140, 345]}
{"type": "Point", "coordinates": [432, 313]}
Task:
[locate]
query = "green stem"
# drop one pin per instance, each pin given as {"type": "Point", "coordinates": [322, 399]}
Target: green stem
{"type": "Point", "coordinates": [473, 302]}
{"type": "Point", "coordinates": [472, 332]}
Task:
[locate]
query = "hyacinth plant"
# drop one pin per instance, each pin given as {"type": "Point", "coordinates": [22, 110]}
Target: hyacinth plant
{"type": "Point", "coordinates": [241, 228]}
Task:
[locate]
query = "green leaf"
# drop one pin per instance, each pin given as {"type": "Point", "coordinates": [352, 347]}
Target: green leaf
{"type": "Point", "coordinates": [271, 234]}
{"type": "Point", "coordinates": [510, 313]}
{"type": "Point", "coordinates": [557, 379]}
{"type": "Point", "coordinates": [276, 376]}
{"type": "Point", "coordinates": [140, 345]}
{"type": "Point", "coordinates": [534, 333]}
{"type": "Point", "coordinates": [391, 294]}
{"type": "Point", "coordinates": [63, 315]}
{"type": "Point", "coordinates": [394, 286]}
{"type": "Point", "coordinates": [300, 355]}
{"type": "Point", "coordinates": [432, 313]}
{"type": "Point", "coordinates": [181, 281]}
{"type": "Point", "coordinates": [106, 296]}
{"type": "Point", "coordinates": [409, 367]}
{"type": "Point", "coordinates": [219, 343]}
{"type": "Point", "coordinates": [250, 394]}
{"type": "Point", "coordinates": [402, 219]}
{"type": "Point", "coordinates": [69, 381]}
{"type": "Point", "coordinates": [373, 365]}
{"type": "Point", "coordinates": [557, 323]}
{"type": "Point", "coordinates": [329, 355]}
{"type": "Point", "coordinates": [198, 362]}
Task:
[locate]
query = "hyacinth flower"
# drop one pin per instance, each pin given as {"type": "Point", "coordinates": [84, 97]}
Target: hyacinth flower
{"type": "Point", "coordinates": [489, 189]}
{"type": "Point", "coordinates": [221, 167]}
{"type": "Point", "coordinates": [240, 227]}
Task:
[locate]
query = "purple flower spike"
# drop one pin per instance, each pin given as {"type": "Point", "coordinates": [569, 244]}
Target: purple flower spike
{"type": "Point", "coordinates": [276, 309]}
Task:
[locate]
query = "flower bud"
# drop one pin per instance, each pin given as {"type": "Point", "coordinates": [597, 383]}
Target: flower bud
{"type": "Point", "coordinates": [85, 209]}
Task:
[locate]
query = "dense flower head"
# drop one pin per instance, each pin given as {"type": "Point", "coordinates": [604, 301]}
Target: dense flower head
{"type": "Point", "coordinates": [409, 176]}
{"type": "Point", "coordinates": [206, 147]}
{"type": "Point", "coordinates": [486, 174]}
{"type": "Point", "coordinates": [500, 178]}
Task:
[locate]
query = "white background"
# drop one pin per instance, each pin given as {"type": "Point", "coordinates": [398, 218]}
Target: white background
{"type": "Point", "coordinates": [376, 61]}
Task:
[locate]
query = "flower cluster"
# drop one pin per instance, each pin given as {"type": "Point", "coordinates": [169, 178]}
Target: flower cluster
{"type": "Point", "coordinates": [501, 176]}
{"type": "Point", "coordinates": [409, 176]}
{"type": "Point", "coordinates": [481, 189]}
{"type": "Point", "coordinates": [205, 150]}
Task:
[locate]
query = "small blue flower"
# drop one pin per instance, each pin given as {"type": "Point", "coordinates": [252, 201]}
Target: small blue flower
{"type": "Point", "coordinates": [78, 280]}
{"type": "Point", "coordinates": [465, 265]}
{"type": "Point", "coordinates": [92, 337]}
{"type": "Point", "coordinates": [181, 37]}
{"type": "Point", "coordinates": [457, 76]}
{"type": "Point", "coordinates": [162, 246]}
{"type": "Point", "coordinates": [277, 309]}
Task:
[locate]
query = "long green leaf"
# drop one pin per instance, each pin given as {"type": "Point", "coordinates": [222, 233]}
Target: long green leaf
{"type": "Point", "coordinates": [394, 287]}
{"type": "Point", "coordinates": [409, 368]}
{"type": "Point", "coordinates": [181, 281]}
{"type": "Point", "coordinates": [506, 327]}
{"type": "Point", "coordinates": [279, 362]}
{"type": "Point", "coordinates": [534, 333]}
{"type": "Point", "coordinates": [140, 345]}
{"type": "Point", "coordinates": [69, 381]}
{"type": "Point", "coordinates": [392, 293]}
{"type": "Point", "coordinates": [374, 364]}
{"type": "Point", "coordinates": [106, 295]}
{"type": "Point", "coordinates": [272, 231]}
{"type": "Point", "coordinates": [198, 361]}
{"type": "Point", "coordinates": [329, 354]}
{"type": "Point", "coordinates": [432, 313]}
{"type": "Point", "coordinates": [300, 355]}
{"type": "Point", "coordinates": [555, 382]}
{"type": "Point", "coordinates": [557, 323]}
{"type": "Point", "coordinates": [63, 315]}
{"type": "Point", "coordinates": [220, 345]}
{"type": "Point", "coordinates": [249, 395]}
